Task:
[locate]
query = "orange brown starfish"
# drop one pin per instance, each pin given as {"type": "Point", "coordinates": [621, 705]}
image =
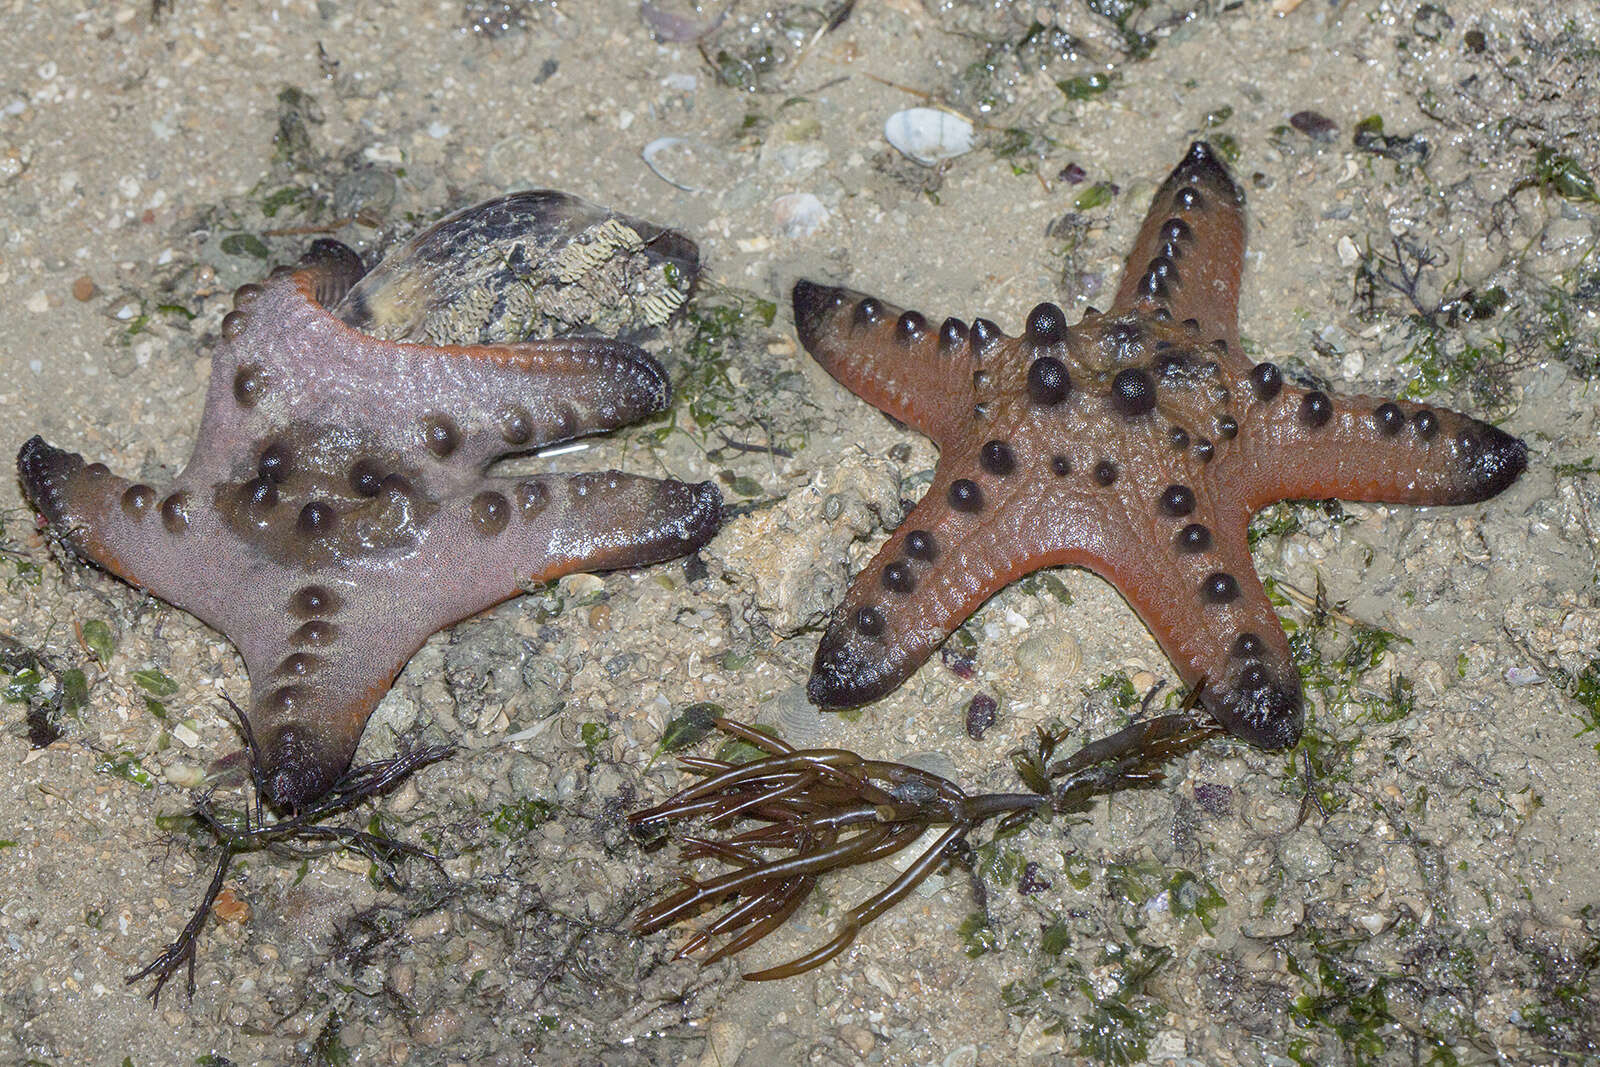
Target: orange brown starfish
{"type": "Point", "coordinates": [336, 509]}
{"type": "Point", "coordinates": [1136, 444]}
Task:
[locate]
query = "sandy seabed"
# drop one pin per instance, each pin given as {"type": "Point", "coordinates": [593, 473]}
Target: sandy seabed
{"type": "Point", "coordinates": [153, 156]}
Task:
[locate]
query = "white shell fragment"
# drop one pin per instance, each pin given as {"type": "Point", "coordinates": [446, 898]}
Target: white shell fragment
{"type": "Point", "coordinates": [934, 763]}
{"type": "Point", "coordinates": [693, 166]}
{"type": "Point", "coordinates": [928, 135]}
{"type": "Point", "coordinates": [800, 724]}
{"type": "Point", "coordinates": [799, 215]}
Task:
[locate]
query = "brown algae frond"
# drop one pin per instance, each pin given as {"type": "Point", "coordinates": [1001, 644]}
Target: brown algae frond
{"type": "Point", "coordinates": [795, 815]}
{"type": "Point", "coordinates": [299, 836]}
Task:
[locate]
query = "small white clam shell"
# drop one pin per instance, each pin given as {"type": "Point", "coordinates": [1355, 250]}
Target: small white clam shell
{"type": "Point", "coordinates": [799, 724]}
{"type": "Point", "coordinates": [803, 726]}
{"type": "Point", "coordinates": [928, 135]}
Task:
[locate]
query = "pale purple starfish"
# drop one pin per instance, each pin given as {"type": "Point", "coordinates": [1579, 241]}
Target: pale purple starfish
{"type": "Point", "coordinates": [336, 509]}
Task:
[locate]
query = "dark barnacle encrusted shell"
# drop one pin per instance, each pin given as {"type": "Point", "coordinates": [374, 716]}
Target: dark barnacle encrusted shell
{"type": "Point", "coordinates": [530, 264]}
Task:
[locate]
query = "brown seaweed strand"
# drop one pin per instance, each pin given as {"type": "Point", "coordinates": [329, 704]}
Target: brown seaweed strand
{"type": "Point", "coordinates": [701, 895]}
{"type": "Point", "coordinates": [750, 735]}
{"type": "Point", "coordinates": [802, 800]}
{"type": "Point", "coordinates": [792, 894]}
{"type": "Point", "coordinates": [869, 909]}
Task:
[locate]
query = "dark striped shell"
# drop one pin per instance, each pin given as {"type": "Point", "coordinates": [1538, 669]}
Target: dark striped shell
{"type": "Point", "coordinates": [537, 263]}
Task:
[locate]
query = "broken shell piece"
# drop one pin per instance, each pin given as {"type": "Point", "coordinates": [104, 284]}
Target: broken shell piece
{"type": "Point", "coordinates": [799, 214]}
{"type": "Point", "coordinates": [693, 166]}
{"type": "Point", "coordinates": [669, 26]}
{"type": "Point", "coordinates": [932, 762]}
{"type": "Point", "coordinates": [928, 135]}
{"type": "Point", "coordinates": [532, 264]}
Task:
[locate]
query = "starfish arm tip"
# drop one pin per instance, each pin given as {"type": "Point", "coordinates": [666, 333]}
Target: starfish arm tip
{"type": "Point", "coordinates": [1495, 461]}
{"type": "Point", "coordinates": [690, 516]}
{"type": "Point", "coordinates": [1188, 259]}
{"type": "Point", "coordinates": [914, 370]}
{"type": "Point", "coordinates": [1203, 161]}
{"type": "Point", "coordinates": [44, 471]}
{"type": "Point", "coordinates": [131, 530]}
{"type": "Point", "coordinates": [296, 766]}
{"type": "Point", "coordinates": [851, 670]}
{"type": "Point", "coordinates": [1265, 712]}
{"type": "Point", "coordinates": [812, 304]}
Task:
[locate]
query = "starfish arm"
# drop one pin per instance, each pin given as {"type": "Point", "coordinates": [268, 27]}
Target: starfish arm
{"type": "Point", "coordinates": [1199, 596]}
{"type": "Point", "coordinates": [966, 540]}
{"type": "Point", "coordinates": [1189, 255]}
{"type": "Point", "coordinates": [166, 542]}
{"type": "Point", "coordinates": [495, 400]}
{"type": "Point", "coordinates": [881, 633]}
{"type": "Point", "coordinates": [318, 666]}
{"type": "Point", "coordinates": [1194, 585]}
{"type": "Point", "coordinates": [913, 371]}
{"type": "Point", "coordinates": [1309, 445]}
{"type": "Point", "coordinates": [492, 543]}
{"type": "Point", "coordinates": [323, 645]}
{"type": "Point", "coordinates": [286, 360]}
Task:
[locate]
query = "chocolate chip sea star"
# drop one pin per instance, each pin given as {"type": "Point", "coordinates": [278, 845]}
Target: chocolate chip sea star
{"type": "Point", "coordinates": [1136, 444]}
{"type": "Point", "coordinates": [336, 509]}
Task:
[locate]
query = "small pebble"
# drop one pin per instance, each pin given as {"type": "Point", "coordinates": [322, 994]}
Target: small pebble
{"type": "Point", "coordinates": [427, 927]}
{"type": "Point", "coordinates": [578, 586]}
{"type": "Point", "coordinates": [959, 660]}
{"type": "Point", "coordinates": [1315, 125]}
{"type": "Point", "coordinates": [1349, 254]}
{"type": "Point", "coordinates": [1304, 857]}
{"type": "Point", "coordinates": [84, 289]}
{"type": "Point", "coordinates": [184, 775]}
{"type": "Point", "coordinates": [405, 798]}
{"type": "Point", "coordinates": [438, 1027]}
{"type": "Point", "coordinates": [724, 1042]}
{"type": "Point", "coordinates": [230, 908]}
{"type": "Point", "coordinates": [1032, 880]}
{"type": "Point", "coordinates": [403, 979]}
{"type": "Point", "coordinates": [799, 215]}
{"type": "Point", "coordinates": [981, 714]}
{"type": "Point", "coordinates": [859, 1038]}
